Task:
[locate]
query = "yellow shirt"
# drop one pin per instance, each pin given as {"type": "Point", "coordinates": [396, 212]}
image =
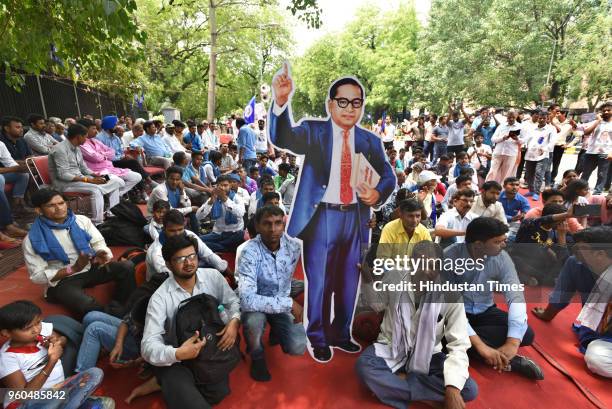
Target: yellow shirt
{"type": "Point", "coordinates": [394, 233]}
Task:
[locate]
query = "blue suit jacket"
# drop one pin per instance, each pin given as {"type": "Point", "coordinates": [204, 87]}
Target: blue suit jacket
{"type": "Point", "coordinates": [314, 140]}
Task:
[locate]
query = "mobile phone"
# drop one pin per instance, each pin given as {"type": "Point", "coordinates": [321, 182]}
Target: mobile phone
{"type": "Point", "coordinates": [587, 210]}
{"type": "Point", "coordinates": [514, 133]}
{"type": "Point", "coordinates": [121, 361]}
{"type": "Point", "coordinates": [106, 177]}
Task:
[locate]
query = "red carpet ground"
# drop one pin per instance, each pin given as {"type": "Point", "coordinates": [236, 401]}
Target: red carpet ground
{"type": "Point", "coordinates": [301, 383]}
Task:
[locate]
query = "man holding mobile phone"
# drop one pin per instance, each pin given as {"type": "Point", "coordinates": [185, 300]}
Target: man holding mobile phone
{"type": "Point", "coordinates": [507, 147]}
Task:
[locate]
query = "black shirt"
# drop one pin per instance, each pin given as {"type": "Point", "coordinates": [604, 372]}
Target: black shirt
{"type": "Point", "coordinates": [19, 150]}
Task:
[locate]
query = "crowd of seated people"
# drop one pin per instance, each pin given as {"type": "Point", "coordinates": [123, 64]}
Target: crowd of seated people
{"type": "Point", "coordinates": [451, 203]}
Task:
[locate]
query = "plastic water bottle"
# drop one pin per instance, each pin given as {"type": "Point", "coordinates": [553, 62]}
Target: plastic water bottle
{"type": "Point", "coordinates": [223, 314]}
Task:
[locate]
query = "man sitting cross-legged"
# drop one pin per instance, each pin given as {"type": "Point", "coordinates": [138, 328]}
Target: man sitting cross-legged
{"type": "Point", "coordinates": [406, 363]}
{"type": "Point", "coordinates": [227, 212]}
{"type": "Point", "coordinates": [265, 270]}
{"type": "Point", "coordinates": [588, 272]}
{"type": "Point", "coordinates": [66, 253]}
{"type": "Point", "coordinates": [159, 345]}
{"type": "Point", "coordinates": [495, 334]}
{"type": "Point", "coordinates": [174, 225]}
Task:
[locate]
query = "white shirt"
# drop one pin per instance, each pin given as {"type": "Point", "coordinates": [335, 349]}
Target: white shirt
{"type": "Point", "coordinates": [539, 142]}
{"type": "Point", "coordinates": [452, 220]}
{"type": "Point", "coordinates": [30, 363]}
{"type": "Point", "coordinates": [495, 210]}
{"type": "Point", "coordinates": [565, 129]}
{"type": "Point", "coordinates": [235, 206]}
{"type": "Point", "coordinates": [210, 140]}
{"type": "Point", "coordinates": [160, 192]}
{"type": "Point", "coordinates": [601, 139]}
{"type": "Point", "coordinates": [42, 271]}
{"type": "Point", "coordinates": [509, 147]}
{"type": "Point", "coordinates": [455, 132]}
{"type": "Point", "coordinates": [332, 192]}
{"type": "Point", "coordinates": [389, 134]}
{"type": "Point", "coordinates": [261, 145]}
{"type": "Point", "coordinates": [429, 130]}
{"type": "Point", "coordinates": [210, 173]}
{"type": "Point", "coordinates": [5, 157]}
{"type": "Point", "coordinates": [159, 342]}
{"type": "Point", "coordinates": [156, 263]}
{"type": "Point", "coordinates": [244, 196]}
{"type": "Point", "coordinates": [483, 148]}
{"type": "Point", "coordinates": [173, 143]}
{"type": "Point", "coordinates": [127, 138]}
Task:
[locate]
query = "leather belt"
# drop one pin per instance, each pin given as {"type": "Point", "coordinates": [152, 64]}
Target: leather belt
{"type": "Point", "coordinates": [339, 207]}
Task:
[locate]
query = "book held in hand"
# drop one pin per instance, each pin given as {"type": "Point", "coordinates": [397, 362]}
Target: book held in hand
{"type": "Point", "coordinates": [363, 171]}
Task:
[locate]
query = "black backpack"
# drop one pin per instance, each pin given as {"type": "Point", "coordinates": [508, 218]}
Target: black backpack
{"type": "Point", "coordinates": [126, 227]}
{"type": "Point", "coordinates": [200, 313]}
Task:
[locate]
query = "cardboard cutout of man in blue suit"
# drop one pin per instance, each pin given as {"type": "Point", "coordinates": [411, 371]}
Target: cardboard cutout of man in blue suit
{"type": "Point", "coordinates": [328, 215]}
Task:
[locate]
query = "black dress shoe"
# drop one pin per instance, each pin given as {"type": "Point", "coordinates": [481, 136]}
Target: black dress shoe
{"type": "Point", "coordinates": [526, 367]}
{"type": "Point", "coordinates": [322, 354]}
{"type": "Point", "coordinates": [348, 346]}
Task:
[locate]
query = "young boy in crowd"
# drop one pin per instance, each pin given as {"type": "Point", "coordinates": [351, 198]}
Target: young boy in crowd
{"type": "Point", "coordinates": [160, 208]}
{"type": "Point", "coordinates": [227, 211]}
{"type": "Point", "coordinates": [442, 168]}
{"type": "Point", "coordinates": [284, 183]}
{"type": "Point", "coordinates": [254, 174]}
{"type": "Point", "coordinates": [31, 359]}
{"type": "Point", "coordinates": [264, 169]}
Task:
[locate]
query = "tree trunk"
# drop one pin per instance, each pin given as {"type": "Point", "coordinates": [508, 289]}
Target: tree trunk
{"type": "Point", "coordinates": [212, 65]}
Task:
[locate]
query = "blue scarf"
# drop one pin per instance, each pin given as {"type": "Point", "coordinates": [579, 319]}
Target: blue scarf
{"type": "Point", "coordinates": [45, 243]}
{"type": "Point", "coordinates": [259, 198]}
{"type": "Point", "coordinates": [174, 197]}
{"type": "Point", "coordinates": [459, 167]}
{"type": "Point", "coordinates": [217, 210]}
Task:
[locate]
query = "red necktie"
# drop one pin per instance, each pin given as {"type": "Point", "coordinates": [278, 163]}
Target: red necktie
{"type": "Point", "coordinates": [346, 193]}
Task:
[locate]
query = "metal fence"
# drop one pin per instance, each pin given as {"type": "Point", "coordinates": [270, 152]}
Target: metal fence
{"type": "Point", "coordinates": [60, 97]}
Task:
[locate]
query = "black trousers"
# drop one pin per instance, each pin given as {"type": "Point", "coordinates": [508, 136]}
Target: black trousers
{"type": "Point", "coordinates": [131, 164]}
{"type": "Point", "coordinates": [556, 160]}
{"type": "Point", "coordinates": [492, 327]}
{"type": "Point", "coordinates": [455, 149]}
{"type": "Point", "coordinates": [181, 392]}
{"type": "Point", "coordinates": [521, 166]}
{"type": "Point", "coordinates": [580, 161]}
{"type": "Point", "coordinates": [69, 291]}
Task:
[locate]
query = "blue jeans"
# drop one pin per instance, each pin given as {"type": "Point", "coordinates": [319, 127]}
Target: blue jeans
{"type": "Point", "coordinates": [396, 392]}
{"type": "Point", "coordinates": [439, 149]}
{"type": "Point", "coordinates": [291, 336]}
{"type": "Point", "coordinates": [534, 174]}
{"type": "Point", "coordinates": [223, 242]}
{"type": "Point", "coordinates": [78, 388]}
{"type": "Point", "coordinates": [101, 332]}
{"type": "Point", "coordinates": [19, 180]}
{"type": "Point", "coordinates": [247, 164]}
{"type": "Point", "coordinates": [428, 150]}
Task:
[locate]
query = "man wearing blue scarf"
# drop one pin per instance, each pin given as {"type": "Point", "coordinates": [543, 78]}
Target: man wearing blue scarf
{"type": "Point", "coordinates": [66, 254]}
{"type": "Point", "coordinates": [227, 211]}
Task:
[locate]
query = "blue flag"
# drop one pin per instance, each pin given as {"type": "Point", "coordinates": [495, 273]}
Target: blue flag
{"type": "Point", "coordinates": [249, 111]}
